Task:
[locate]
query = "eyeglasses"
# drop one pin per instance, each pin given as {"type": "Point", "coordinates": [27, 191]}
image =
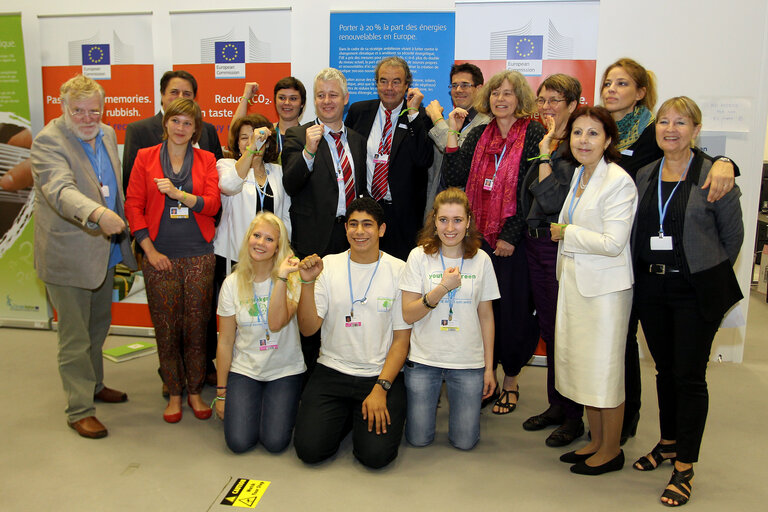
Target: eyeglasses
{"type": "Point", "coordinates": [552, 101]}
{"type": "Point", "coordinates": [79, 113]}
{"type": "Point", "coordinates": [461, 85]}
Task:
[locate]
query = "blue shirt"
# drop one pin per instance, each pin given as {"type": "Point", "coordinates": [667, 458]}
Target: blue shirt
{"type": "Point", "coordinates": [102, 167]}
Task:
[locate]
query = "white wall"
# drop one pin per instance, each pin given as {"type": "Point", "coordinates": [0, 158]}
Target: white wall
{"type": "Point", "coordinates": [696, 47]}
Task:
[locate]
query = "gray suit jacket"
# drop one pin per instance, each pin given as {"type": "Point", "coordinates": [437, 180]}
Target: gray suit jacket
{"type": "Point", "coordinates": [69, 250]}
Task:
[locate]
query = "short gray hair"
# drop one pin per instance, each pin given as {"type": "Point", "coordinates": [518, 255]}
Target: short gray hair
{"type": "Point", "coordinates": [328, 74]}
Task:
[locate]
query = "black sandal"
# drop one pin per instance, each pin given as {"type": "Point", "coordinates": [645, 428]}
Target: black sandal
{"type": "Point", "coordinates": [681, 480]}
{"type": "Point", "coordinates": [658, 455]}
{"type": "Point", "coordinates": [503, 401]}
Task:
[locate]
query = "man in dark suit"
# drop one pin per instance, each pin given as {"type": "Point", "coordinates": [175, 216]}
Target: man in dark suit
{"type": "Point", "coordinates": [323, 170]}
{"type": "Point", "coordinates": [149, 132]}
{"type": "Point", "coordinates": [399, 152]}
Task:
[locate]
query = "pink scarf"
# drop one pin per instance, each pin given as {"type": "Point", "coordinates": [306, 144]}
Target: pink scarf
{"type": "Point", "coordinates": [492, 208]}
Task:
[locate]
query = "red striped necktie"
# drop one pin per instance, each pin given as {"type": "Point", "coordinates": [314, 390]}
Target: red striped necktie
{"type": "Point", "coordinates": [381, 170]}
{"type": "Point", "coordinates": [349, 183]}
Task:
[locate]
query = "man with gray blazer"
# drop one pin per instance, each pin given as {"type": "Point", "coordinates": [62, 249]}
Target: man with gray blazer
{"type": "Point", "coordinates": [80, 235]}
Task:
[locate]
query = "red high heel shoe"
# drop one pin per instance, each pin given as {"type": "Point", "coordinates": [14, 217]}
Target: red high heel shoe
{"type": "Point", "coordinates": [201, 414]}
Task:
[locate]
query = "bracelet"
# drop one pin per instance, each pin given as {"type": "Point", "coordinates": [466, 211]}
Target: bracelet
{"type": "Point", "coordinates": [545, 161]}
{"type": "Point", "coordinates": [306, 282]}
{"type": "Point", "coordinates": [183, 196]}
{"type": "Point", "coordinates": [455, 132]}
{"type": "Point", "coordinates": [221, 387]}
{"type": "Point", "coordinates": [101, 215]}
{"type": "Point", "coordinates": [544, 156]}
{"type": "Point", "coordinates": [408, 109]}
{"type": "Point", "coordinates": [222, 398]}
{"type": "Point", "coordinates": [446, 288]}
{"type": "Point", "coordinates": [309, 152]}
{"type": "Point", "coordinates": [258, 152]}
{"type": "Point", "coordinates": [434, 123]}
{"type": "Point", "coordinates": [283, 279]}
{"type": "Point", "coordinates": [426, 302]}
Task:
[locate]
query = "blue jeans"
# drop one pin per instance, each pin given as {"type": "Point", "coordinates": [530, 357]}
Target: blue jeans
{"type": "Point", "coordinates": [260, 411]}
{"type": "Point", "coordinates": [465, 391]}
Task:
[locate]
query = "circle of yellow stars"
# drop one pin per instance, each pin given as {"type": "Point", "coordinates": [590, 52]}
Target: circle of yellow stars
{"type": "Point", "coordinates": [530, 50]}
{"type": "Point", "coordinates": [224, 52]}
{"type": "Point", "coordinates": [98, 58]}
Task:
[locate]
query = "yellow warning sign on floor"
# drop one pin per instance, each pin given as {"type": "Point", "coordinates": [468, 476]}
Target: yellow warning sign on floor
{"type": "Point", "coordinates": [245, 493]}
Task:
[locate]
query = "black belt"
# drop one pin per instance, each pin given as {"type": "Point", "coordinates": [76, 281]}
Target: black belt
{"type": "Point", "coordinates": [539, 232]}
{"type": "Point", "coordinates": [661, 269]}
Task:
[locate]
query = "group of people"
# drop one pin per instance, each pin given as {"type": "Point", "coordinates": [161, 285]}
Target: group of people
{"type": "Point", "coordinates": [423, 249]}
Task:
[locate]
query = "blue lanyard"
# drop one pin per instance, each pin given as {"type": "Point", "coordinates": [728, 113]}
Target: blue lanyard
{"type": "Point", "coordinates": [573, 196]}
{"type": "Point", "coordinates": [263, 317]}
{"type": "Point", "coordinates": [349, 276]}
{"type": "Point", "coordinates": [663, 210]}
{"type": "Point", "coordinates": [498, 159]}
{"type": "Point", "coordinates": [279, 139]}
{"type": "Point", "coordinates": [452, 293]}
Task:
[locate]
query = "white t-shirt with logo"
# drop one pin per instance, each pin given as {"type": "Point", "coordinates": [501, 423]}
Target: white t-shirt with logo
{"type": "Point", "coordinates": [436, 340]}
{"type": "Point", "coordinates": [253, 355]}
{"type": "Point", "coordinates": [357, 344]}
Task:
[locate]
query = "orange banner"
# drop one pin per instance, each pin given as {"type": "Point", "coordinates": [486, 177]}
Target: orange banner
{"type": "Point", "coordinates": [130, 94]}
{"type": "Point", "coordinates": [218, 98]}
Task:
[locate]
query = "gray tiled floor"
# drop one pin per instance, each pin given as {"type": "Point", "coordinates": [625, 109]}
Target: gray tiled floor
{"type": "Point", "coordinates": [146, 464]}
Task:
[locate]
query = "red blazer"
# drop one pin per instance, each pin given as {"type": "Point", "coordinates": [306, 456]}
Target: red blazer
{"type": "Point", "coordinates": [144, 203]}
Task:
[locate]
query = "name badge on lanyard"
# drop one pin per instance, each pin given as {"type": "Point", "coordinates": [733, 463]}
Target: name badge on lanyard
{"type": "Point", "coordinates": [179, 212]}
{"type": "Point", "coordinates": [488, 182]}
{"type": "Point", "coordinates": [661, 242]}
{"type": "Point", "coordinates": [380, 158]}
{"type": "Point", "coordinates": [449, 325]}
{"type": "Point", "coordinates": [105, 191]}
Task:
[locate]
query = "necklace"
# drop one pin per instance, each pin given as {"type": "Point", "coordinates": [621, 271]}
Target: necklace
{"type": "Point", "coordinates": [262, 188]}
{"type": "Point", "coordinates": [582, 184]}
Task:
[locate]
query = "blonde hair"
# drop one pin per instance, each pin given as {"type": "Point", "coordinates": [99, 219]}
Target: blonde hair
{"type": "Point", "coordinates": [682, 105]}
{"type": "Point", "coordinates": [526, 100]}
{"type": "Point", "coordinates": [244, 270]}
{"type": "Point", "coordinates": [80, 87]}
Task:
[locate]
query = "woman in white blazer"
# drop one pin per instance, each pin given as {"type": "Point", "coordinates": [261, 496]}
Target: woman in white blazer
{"type": "Point", "coordinates": [594, 270]}
{"type": "Point", "coordinates": [250, 182]}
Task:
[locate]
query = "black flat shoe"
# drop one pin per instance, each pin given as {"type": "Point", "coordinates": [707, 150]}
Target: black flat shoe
{"type": "Point", "coordinates": [656, 457]}
{"type": "Point", "coordinates": [543, 420]}
{"type": "Point", "coordinates": [566, 433]}
{"type": "Point", "coordinates": [574, 458]}
{"type": "Point", "coordinates": [615, 464]}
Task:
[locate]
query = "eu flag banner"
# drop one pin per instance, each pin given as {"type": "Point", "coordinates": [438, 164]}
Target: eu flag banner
{"type": "Point", "coordinates": [525, 54]}
{"type": "Point", "coordinates": [230, 59]}
{"type": "Point", "coordinates": [96, 61]}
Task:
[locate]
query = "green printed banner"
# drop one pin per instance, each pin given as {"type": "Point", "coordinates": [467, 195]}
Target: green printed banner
{"type": "Point", "coordinates": [22, 295]}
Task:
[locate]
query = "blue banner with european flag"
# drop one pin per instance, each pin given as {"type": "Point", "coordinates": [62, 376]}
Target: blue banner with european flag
{"type": "Point", "coordinates": [96, 61]}
{"type": "Point", "coordinates": [230, 59]}
{"type": "Point", "coordinates": [525, 54]}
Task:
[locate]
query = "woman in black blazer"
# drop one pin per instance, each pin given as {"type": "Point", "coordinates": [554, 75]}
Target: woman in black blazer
{"type": "Point", "coordinates": [684, 249]}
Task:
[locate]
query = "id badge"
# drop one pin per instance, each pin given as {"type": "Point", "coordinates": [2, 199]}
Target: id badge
{"type": "Point", "coordinates": [488, 184]}
{"type": "Point", "coordinates": [339, 175]}
{"type": "Point", "coordinates": [380, 158]}
{"type": "Point", "coordinates": [179, 212]}
{"type": "Point", "coordinates": [265, 344]}
{"type": "Point", "coordinates": [449, 325]}
{"type": "Point", "coordinates": [661, 243]}
{"type": "Point", "coordinates": [105, 191]}
{"type": "Point", "coordinates": [627, 152]}
{"type": "Point", "coordinates": [349, 321]}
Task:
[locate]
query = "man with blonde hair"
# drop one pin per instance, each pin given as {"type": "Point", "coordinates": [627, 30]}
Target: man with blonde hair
{"type": "Point", "coordinates": [80, 235]}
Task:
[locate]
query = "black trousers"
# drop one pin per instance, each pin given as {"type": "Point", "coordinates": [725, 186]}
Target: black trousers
{"type": "Point", "coordinates": [331, 407]}
{"type": "Point", "coordinates": [680, 340]}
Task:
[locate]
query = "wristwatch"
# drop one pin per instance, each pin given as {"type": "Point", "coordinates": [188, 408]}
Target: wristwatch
{"type": "Point", "coordinates": [384, 383]}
